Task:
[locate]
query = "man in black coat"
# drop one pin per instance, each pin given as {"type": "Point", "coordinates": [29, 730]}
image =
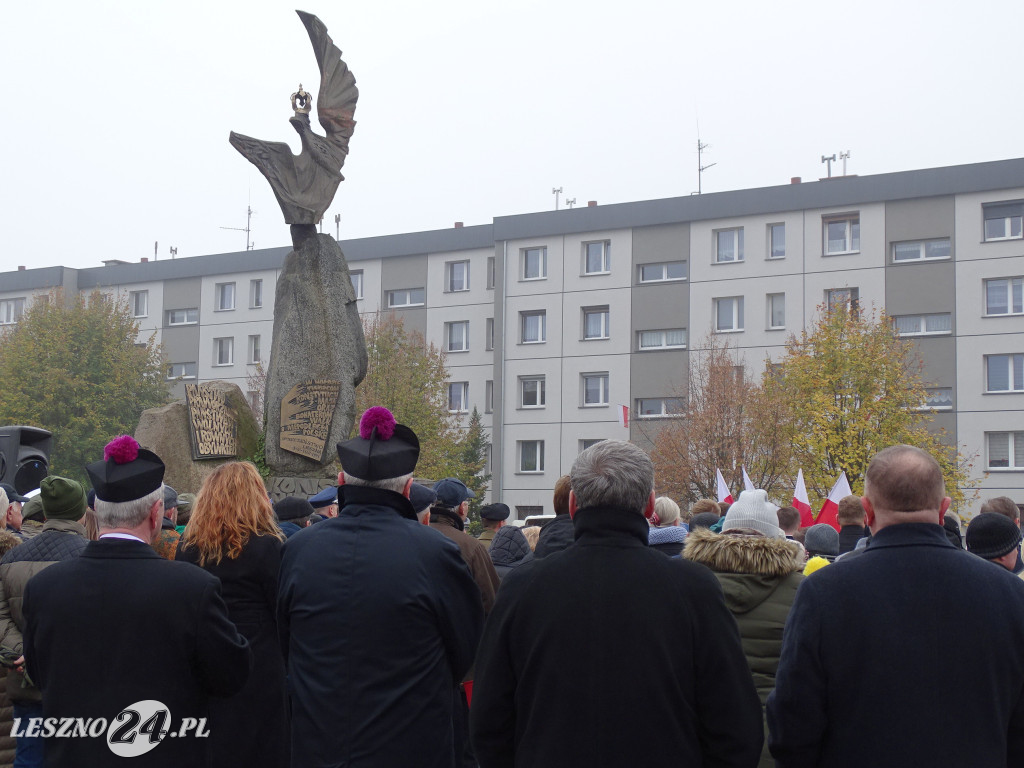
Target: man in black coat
{"type": "Point", "coordinates": [864, 678]}
{"type": "Point", "coordinates": [119, 626]}
{"type": "Point", "coordinates": [379, 618]}
{"type": "Point", "coordinates": [608, 652]}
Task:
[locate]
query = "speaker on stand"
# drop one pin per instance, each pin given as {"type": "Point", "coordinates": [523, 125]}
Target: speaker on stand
{"type": "Point", "coordinates": [24, 456]}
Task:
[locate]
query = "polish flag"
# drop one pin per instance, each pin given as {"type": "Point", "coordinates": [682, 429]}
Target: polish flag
{"type": "Point", "coordinates": [748, 484]}
{"type": "Point", "coordinates": [723, 489]}
{"type": "Point", "coordinates": [830, 508]}
{"type": "Point", "coordinates": [801, 502]}
{"type": "Point", "coordinates": [624, 416]}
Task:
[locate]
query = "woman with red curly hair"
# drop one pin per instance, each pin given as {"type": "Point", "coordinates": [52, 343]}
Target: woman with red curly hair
{"type": "Point", "coordinates": [233, 535]}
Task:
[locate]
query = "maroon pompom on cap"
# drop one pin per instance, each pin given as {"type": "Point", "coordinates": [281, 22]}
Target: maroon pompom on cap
{"type": "Point", "coordinates": [378, 417]}
{"type": "Point", "coordinates": [122, 450]}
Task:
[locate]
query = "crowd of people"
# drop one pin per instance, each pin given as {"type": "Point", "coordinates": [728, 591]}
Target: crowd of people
{"type": "Point", "coordinates": [365, 626]}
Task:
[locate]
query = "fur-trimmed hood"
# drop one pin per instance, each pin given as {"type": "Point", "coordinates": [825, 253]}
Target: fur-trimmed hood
{"type": "Point", "coordinates": [738, 553]}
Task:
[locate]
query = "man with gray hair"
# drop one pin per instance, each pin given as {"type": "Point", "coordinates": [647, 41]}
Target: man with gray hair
{"type": "Point", "coordinates": [864, 678]}
{"type": "Point", "coordinates": [119, 625]}
{"type": "Point", "coordinates": [608, 652]}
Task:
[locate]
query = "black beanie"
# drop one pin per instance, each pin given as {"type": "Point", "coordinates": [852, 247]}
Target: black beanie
{"type": "Point", "coordinates": [991, 535]}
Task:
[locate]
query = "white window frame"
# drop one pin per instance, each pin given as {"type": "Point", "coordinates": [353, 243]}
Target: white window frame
{"type": "Point", "coordinates": [832, 296]}
{"type": "Point", "coordinates": [223, 297]}
{"type": "Point", "coordinates": [489, 396]}
{"type": "Point", "coordinates": [771, 241]}
{"type": "Point", "coordinates": [663, 342]}
{"type": "Point", "coordinates": [191, 316]}
{"type": "Point", "coordinates": [451, 268]}
{"type": "Point", "coordinates": [589, 442]}
{"type": "Point", "coordinates": [409, 300]}
{"type": "Point", "coordinates": [538, 448]}
{"type": "Point", "coordinates": [664, 265]}
{"type": "Point", "coordinates": [603, 313]}
{"type": "Point", "coordinates": [731, 237]}
{"type": "Point", "coordinates": [922, 324]}
{"type": "Point", "coordinates": [1008, 221]}
{"type": "Point", "coordinates": [603, 255]}
{"type": "Point", "coordinates": [184, 368]}
{"type": "Point", "coordinates": [663, 408]}
{"type": "Point", "coordinates": [490, 273]}
{"type": "Point", "coordinates": [543, 329]}
{"type": "Point", "coordinates": [449, 328]}
{"type": "Point", "coordinates": [1011, 440]}
{"type": "Point", "coordinates": [541, 392]}
{"type": "Point", "coordinates": [1014, 290]}
{"type": "Point", "coordinates": [921, 250]}
{"type": "Point", "coordinates": [12, 310]}
{"type": "Point", "coordinates": [929, 394]}
{"type": "Point", "coordinates": [542, 264]}
{"type": "Point", "coordinates": [254, 349]}
{"type": "Point", "coordinates": [602, 380]}
{"type": "Point", "coordinates": [851, 241]}
{"type": "Point", "coordinates": [737, 314]}
{"type": "Point", "coordinates": [489, 334]}
{"type": "Point", "coordinates": [219, 346]}
{"type": "Point", "coordinates": [256, 293]}
{"type": "Point", "coordinates": [770, 300]}
{"type": "Point", "coordinates": [139, 303]}
{"type": "Point", "coordinates": [458, 397]}
{"type": "Point", "coordinates": [356, 277]}
{"type": "Point", "coordinates": [1014, 361]}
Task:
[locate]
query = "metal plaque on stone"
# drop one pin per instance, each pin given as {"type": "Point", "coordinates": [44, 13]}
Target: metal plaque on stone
{"type": "Point", "coordinates": [306, 413]}
{"type": "Point", "coordinates": [212, 423]}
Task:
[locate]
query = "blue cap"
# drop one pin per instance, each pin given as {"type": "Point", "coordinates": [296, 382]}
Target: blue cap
{"type": "Point", "coordinates": [421, 497]}
{"type": "Point", "coordinates": [452, 492]}
{"type": "Point", "coordinates": [324, 498]}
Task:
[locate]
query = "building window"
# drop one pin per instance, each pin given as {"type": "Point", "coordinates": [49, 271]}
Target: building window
{"type": "Point", "coordinates": [584, 444]}
{"type": "Point", "coordinates": [458, 336]}
{"type": "Point", "coordinates": [406, 297]}
{"type": "Point", "coordinates": [842, 234]}
{"type": "Point", "coordinates": [729, 314]}
{"type": "Point", "coordinates": [255, 294]}
{"type": "Point", "coordinates": [489, 334]}
{"type": "Point", "coordinates": [139, 302]}
{"type": "Point", "coordinates": [533, 327]}
{"type": "Point", "coordinates": [534, 263]}
{"type": "Point", "coordinates": [254, 349]}
{"type": "Point", "coordinates": [490, 272]}
{"type": "Point", "coordinates": [776, 311]}
{"type": "Point", "coordinates": [595, 323]}
{"type": "Point", "coordinates": [671, 338]}
{"type": "Point", "coordinates": [224, 297]}
{"type": "Point", "coordinates": [531, 392]}
{"type": "Point", "coordinates": [1004, 221]}
{"type": "Point", "coordinates": [1004, 373]}
{"type": "Point", "coordinates": [776, 241]}
{"type": "Point", "coordinates": [729, 245]}
{"type": "Point", "coordinates": [182, 371]}
{"type": "Point", "coordinates": [658, 407]}
{"type": "Point", "coordinates": [224, 351]}
{"type": "Point", "coordinates": [937, 399]}
{"type": "Point", "coordinates": [531, 455]}
{"type": "Point", "coordinates": [457, 276]}
{"type": "Point", "coordinates": [663, 271]}
{"type": "Point", "coordinates": [595, 389]}
{"type": "Point", "coordinates": [183, 316]}
{"type": "Point", "coordinates": [922, 250]}
{"type": "Point", "coordinates": [1005, 450]}
{"type": "Point", "coordinates": [255, 402]}
{"type": "Point", "coordinates": [1004, 296]}
{"type": "Point", "coordinates": [846, 297]}
{"type": "Point", "coordinates": [357, 282]}
{"type": "Point", "coordinates": [597, 258]}
{"type": "Point", "coordinates": [488, 396]}
{"type": "Point", "coordinates": [458, 397]}
{"type": "Point", "coordinates": [11, 310]}
{"type": "Point", "coordinates": [923, 325]}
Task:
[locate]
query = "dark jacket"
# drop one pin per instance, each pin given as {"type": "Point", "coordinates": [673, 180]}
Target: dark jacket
{"type": "Point", "coordinates": [119, 625]}
{"type": "Point", "coordinates": [557, 535]}
{"type": "Point", "coordinates": [509, 549]}
{"type": "Point", "coordinates": [864, 678]}
{"type": "Point", "coordinates": [849, 535]}
{"type": "Point", "coordinates": [260, 709]}
{"type": "Point", "coordinates": [611, 654]}
{"type": "Point", "coordinates": [379, 618]}
{"type": "Point", "coordinates": [473, 552]}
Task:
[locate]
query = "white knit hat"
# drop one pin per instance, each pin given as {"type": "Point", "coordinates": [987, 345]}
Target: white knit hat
{"type": "Point", "coordinates": [753, 510]}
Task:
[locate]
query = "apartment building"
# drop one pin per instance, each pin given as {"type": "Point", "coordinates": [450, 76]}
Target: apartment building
{"type": "Point", "coordinates": [553, 321]}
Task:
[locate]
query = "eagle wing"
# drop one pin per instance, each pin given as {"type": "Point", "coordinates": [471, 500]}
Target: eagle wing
{"type": "Point", "coordinates": [336, 101]}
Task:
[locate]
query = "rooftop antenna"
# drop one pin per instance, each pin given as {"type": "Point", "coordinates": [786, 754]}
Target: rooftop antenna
{"type": "Point", "coordinates": [844, 156]}
{"type": "Point", "coordinates": [174, 251]}
{"type": "Point", "coordinates": [156, 245]}
{"type": "Point", "coordinates": [829, 159]}
{"type": "Point", "coordinates": [701, 146]}
{"type": "Point", "coordinates": [337, 226]}
{"type": "Point", "coordinates": [556, 191]}
{"type": "Point", "coordinates": [570, 201]}
{"type": "Point", "coordinates": [248, 227]}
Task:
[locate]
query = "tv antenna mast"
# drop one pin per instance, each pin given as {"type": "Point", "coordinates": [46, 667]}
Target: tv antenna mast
{"type": "Point", "coordinates": [556, 191]}
{"type": "Point", "coordinates": [248, 227]}
{"type": "Point", "coordinates": [829, 159]}
{"type": "Point", "coordinates": [700, 166]}
{"type": "Point", "coordinates": [570, 201]}
{"type": "Point", "coordinates": [844, 156]}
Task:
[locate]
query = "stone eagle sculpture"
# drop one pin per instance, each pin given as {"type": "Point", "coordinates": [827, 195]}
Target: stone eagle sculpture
{"type": "Point", "coordinates": [305, 184]}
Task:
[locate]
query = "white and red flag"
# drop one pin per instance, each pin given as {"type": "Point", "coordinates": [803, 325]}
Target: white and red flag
{"type": "Point", "coordinates": [723, 489]}
{"type": "Point", "coordinates": [624, 416]}
{"type": "Point", "coordinates": [830, 508]}
{"type": "Point", "coordinates": [801, 503]}
{"type": "Point", "coordinates": [748, 484]}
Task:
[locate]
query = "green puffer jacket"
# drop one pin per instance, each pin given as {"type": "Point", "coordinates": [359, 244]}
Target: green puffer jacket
{"type": "Point", "coordinates": [759, 576]}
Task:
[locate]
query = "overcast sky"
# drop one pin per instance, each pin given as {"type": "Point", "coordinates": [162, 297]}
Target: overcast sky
{"type": "Point", "coordinates": [116, 113]}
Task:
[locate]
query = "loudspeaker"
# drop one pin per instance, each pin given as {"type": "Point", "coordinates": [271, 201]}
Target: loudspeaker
{"type": "Point", "coordinates": [24, 456]}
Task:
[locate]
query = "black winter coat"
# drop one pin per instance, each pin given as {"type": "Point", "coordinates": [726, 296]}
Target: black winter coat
{"type": "Point", "coordinates": [557, 535]}
{"type": "Point", "coordinates": [611, 654]}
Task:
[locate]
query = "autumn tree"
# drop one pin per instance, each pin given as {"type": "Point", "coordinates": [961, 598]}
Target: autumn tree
{"type": "Point", "coordinates": [75, 369]}
{"type": "Point", "coordinates": [474, 462]}
{"type": "Point", "coordinates": [852, 386]}
{"type": "Point", "coordinates": [724, 422]}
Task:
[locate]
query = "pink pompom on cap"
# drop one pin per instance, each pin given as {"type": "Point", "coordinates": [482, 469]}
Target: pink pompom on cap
{"type": "Point", "coordinates": [122, 450]}
{"type": "Point", "coordinates": [378, 417]}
